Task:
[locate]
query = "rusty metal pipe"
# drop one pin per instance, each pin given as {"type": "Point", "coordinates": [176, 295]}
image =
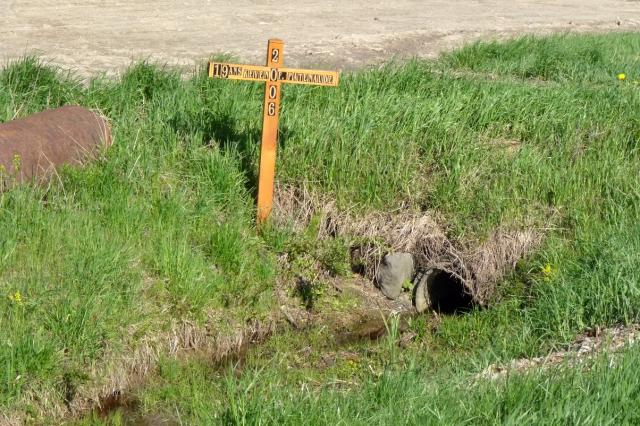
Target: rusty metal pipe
{"type": "Point", "coordinates": [31, 148]}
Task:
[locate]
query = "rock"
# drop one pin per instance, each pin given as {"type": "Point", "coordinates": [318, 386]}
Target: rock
{"type": "Point", "coordinates": [405, 300]}
{"type": "Point", "coordinates": [421, 292]}
{"type": "Point", "coordinates": [31, 147]}
{"type": "Point", "coordinates": [393, 271]}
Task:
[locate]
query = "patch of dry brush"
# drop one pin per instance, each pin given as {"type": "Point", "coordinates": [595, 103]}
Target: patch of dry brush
{"type": "Point", "coordinates": [479, 265]}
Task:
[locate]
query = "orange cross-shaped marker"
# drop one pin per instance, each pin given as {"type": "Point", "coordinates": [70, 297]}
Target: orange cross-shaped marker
{"type": "Point", "coordinates": [273, 74]}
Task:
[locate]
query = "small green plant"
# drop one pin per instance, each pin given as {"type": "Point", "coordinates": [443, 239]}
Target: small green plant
{"type": "Point", "coordinates": [548, 272]}
{"type": "Point", "coordinates": [16, 298]}
{"type": "Point", "coordinates": [16, 161]}
{"type": "Point", "coordinates": [309, 292]}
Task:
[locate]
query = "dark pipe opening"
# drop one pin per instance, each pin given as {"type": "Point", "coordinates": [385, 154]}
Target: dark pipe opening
{"type": "Point", "coordinates": [448, 294]}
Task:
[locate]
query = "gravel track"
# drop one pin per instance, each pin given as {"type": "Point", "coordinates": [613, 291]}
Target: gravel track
{"type": "Point", "coordinates": [92, 36]}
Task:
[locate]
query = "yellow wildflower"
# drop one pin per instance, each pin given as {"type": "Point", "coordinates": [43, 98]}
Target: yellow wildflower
{"type": "Point", "coordinates": [622, 76]}
{"type": "Point", "coordinates": [547, 272]}
{"type": "Point", "coordinates": [16, 298]}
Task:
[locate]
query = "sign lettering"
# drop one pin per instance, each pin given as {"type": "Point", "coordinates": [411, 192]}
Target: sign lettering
{"type": "Point", "coordinates": [309, 77]}
{"type": "Point", "coordinates": [285, 75]}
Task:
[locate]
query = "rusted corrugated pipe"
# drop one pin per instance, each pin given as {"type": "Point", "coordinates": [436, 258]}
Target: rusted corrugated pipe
{"type": "Point", "coordinates": [32, 147]}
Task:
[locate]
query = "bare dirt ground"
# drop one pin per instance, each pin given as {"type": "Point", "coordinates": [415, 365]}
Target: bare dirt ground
{"type": "Point", "coordinates": [93, 36]}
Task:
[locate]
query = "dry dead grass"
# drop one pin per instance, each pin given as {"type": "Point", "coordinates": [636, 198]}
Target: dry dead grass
{"type": "Point", "coordinates": [215, 341]}
{"type": "Point", "coordinates": [586, 347]}
{"type": "Point", "coordinates": [479, 264]}
{"type": "Point", "coordinates": [10, 419]}
{"type": "Point", "coordinates": [126, 369]}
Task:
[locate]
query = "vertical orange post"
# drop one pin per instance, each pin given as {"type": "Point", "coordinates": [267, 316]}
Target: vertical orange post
{"type": "Point", "coordinates": [269, 130]}
{"type": "Point", "coordinates": [273, 74]}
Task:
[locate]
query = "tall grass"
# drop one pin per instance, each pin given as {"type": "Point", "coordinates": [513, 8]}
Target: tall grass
{"type": "Point", "coordinates": [603, 391]}
{"type": "Point", "coordinates": [161, 228]}
{"type": "Point", "coordinates": [559, 58]}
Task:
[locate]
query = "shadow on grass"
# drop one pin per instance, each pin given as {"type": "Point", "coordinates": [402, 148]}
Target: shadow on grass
{"type": "Point", "coordinates": [224, 131]}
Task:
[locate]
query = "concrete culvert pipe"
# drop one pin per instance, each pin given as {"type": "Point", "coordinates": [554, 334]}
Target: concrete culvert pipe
{"type": "Point", "coordinates": [32, 147]}
{"type": "Point", "coordinates": [441, 291]}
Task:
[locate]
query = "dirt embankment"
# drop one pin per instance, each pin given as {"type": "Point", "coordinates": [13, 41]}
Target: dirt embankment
{"type": "Point", "coordinates": [106, 35]}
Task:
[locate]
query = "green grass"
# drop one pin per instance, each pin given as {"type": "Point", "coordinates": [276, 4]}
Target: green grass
{"type": "Point", "coordinates": [559, 58]}
{"type": "Point", "coordinates": [595, 393]}
{"type": "Point", "coordinates": [161, 229]}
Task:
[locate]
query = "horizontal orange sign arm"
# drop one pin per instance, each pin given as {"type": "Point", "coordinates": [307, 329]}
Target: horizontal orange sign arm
{"type": "Point", "coordinates": [283, 75]}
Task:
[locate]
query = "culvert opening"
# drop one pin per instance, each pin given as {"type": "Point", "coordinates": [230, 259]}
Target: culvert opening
{"type": "Point", "coordinates": [447, 293]}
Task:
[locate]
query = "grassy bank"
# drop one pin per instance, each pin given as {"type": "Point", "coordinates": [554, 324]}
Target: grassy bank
{"type": "Point", "coordinates": [532, 133]}
{"type": "Point", "coordinates": [601, 392]}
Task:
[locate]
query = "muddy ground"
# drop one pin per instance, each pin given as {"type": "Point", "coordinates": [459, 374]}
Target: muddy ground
{"type": "Point", "coordinates": [106, 35]}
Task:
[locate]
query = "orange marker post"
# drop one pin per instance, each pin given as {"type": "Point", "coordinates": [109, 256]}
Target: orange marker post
{"type": "Point", "coordinates": [273, 74]}
{"type": "Point", "coordinates": [270, 115]}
